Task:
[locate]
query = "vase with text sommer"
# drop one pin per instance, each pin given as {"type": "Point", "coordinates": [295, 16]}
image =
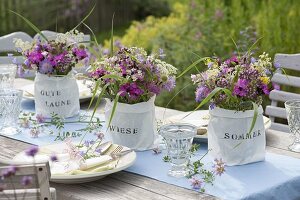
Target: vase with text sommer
{"type": "Point", "coordinates": [235, 88]}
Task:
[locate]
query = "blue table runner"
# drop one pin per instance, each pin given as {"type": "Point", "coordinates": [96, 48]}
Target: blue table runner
{"type": "Point", "coordinates": [278, 177]}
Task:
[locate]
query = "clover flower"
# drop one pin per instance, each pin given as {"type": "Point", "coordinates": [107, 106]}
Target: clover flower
{"type": "Point", "coordinates": [196, 183]}
{"type": "Point", "coordinates": [34, 132]}
{"type": "Point", "coordinates": [40, 118]}
{"type": "Point", "coordinates": [219, 166]}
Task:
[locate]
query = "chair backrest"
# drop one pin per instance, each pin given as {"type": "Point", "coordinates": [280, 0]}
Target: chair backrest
{"type": "Point", "coordinates": [7, 45]}
{"type": "Point", "coordinates": [287, 61]}
{"type": "Point", "coordinates": [38, 189]}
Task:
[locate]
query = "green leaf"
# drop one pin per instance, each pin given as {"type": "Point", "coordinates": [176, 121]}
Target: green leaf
{"type": "Point", "coordinates": [255, 108]}
{"type": "Point", "coordinates": [191, 66]}
{"type": "Point", "coordinates": [99, 99]}
{"type": "Point", "coordinates": [173, 98]}
{"type": "Point", "coordinates": [206, 100]}
{"type": "Point", "coordinates": [34, 27]}
{"type": "Point", "coordinates": [112, 76]}
{"type": "Point", "coordinates": [94, 93]}
{"type": "Point", "coordinates": [235, 78]}
{"type": "Point", "coordinates": [237, 48]}
{"type": "Point", "coordinates": [113, 109]}
{"type": "Point", "coordinates": [253, 45]}
{"type": "Point", "coordinates": [84, 18]}
{"type": "Point", "coordinates": [112, 36]}
{"type": "Point", "coordinates": [94, 37]}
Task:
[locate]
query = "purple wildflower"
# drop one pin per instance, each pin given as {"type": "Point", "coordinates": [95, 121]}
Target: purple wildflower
{"type": "Point", "coordinates": [276, 65]}
{"type": "Point", "coordinates": [196, 183]}
{"type": "Point", "coordinates": [152, 87]}
{"type": "Point", "coordinates": [210, 64]}
{"type": "Point", "coordinates": [40, 118]}
{"type": "Point", "coordinates": [53, 158]}
{"type": "Point", "coordinates": [253, 60]}
{"type": "Point", "coordinates": [45, 67]}
{"type": "Point", "coordinates": [219, 166]}
{"type": "Point", "coordinates": [100, 135]}
{"type": "Point", "coordinates": [27, 63]}
{"type": "Point", "coordinates": [81, 153]}
{"type": "Point", "coordinates": [105, 51]}
{"type": "Point", "coordinates": [34, 132]}
{"type": "Point", "coordinates": [26, 180]}
{"type": "Point", "coordinates": [240, 87]}
{"type": "Point", "coordinates": [276, 86]}
{"type": "Point", "coordinates": [87, 143]}
{"type": "Point", "coordinates": [161, 53]}
{"type": "Point", "coordinates": [201, 93]}
{"type": "Point", "coordinates": [131, 89]}
{"type": "Point", "coordinates": [80, 53]}
{"type": "Point", "coordinates": [35, 57]}
{"type": "Point", "coordinates": [98, 150]}
{"type": "Point", "coordinates": [232, 61]}
{"type": "Point", "coordinates": [265, 89]}
{"type": "Point", "coordinates": [10, 171]}
{"type": "Point", "coordinates": [170, 84]}
{"type": "Point", "coordinates": [32, 151]}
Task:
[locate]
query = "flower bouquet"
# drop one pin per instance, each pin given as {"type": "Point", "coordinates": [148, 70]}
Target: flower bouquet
{"type": "Point", "coordinates": [56, 89]}
{"type": "Point", "coordinates": [235, 90]}
{"type": "Point", "coordinates": [130, 80]}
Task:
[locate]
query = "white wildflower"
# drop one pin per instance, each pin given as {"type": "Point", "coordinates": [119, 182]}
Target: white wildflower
{"type": "Point", "coordinates": [21, 45]}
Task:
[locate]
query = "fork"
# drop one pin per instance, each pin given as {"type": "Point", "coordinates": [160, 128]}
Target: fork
{"type": "Point", "coordinates": [116, 150]}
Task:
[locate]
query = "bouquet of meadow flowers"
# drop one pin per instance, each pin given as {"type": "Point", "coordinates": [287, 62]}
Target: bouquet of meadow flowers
{"type": "Point", "coordinates": [133, 76]}
{"type": "Point", "coordinates": [235, 83]}
{"type": "Point", "coordinates": [56, 56]}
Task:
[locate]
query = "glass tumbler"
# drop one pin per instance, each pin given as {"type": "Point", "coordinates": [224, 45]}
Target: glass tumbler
{"type": "Point", "coordinates": [7, 75]}
{"type": "Point", "coordinates": [10, 104]}
{"type": "Point", "coordinates": [293, 116]}
{"type": "Point", "coordinates": [178, 138]}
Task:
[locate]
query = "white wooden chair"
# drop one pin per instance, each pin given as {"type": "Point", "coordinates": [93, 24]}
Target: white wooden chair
{"type": "Point", "coordinates": [7, 45]}
{"type": "Point", "coordinates": [39, 189]}
{"type": "Point", "coordinates": [286, 61]}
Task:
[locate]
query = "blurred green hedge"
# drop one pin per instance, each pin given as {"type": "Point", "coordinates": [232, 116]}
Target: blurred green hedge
{"type": "Point", "coordinates": [204, 28]}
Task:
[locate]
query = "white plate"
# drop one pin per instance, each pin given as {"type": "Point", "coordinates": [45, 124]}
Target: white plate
{"type": "Point", "coordinates": [124, 162]}
{"type": "Point", "coordinates": [84, 92]}
{"type": "Point", "coordinates": [200, 118]}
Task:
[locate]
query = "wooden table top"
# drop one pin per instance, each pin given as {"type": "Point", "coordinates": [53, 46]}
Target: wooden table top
{"type": "Point", "coordinates": [125, 185]}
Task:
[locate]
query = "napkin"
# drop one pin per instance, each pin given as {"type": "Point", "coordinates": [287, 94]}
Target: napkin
{"type": "Point", "coordinates": [68, 166]}
{"type": "Point", "coordinates": [64, 165]}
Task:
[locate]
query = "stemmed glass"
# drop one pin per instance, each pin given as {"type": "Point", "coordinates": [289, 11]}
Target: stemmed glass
{"type": "Point", "coordinates": [7, 75]}
{"type": "Point", "coordinates": [178, 138]}
{"type": "Point", "coordinates": [10, 103]}
{"type": "Point", "coordinates": [293, 116]}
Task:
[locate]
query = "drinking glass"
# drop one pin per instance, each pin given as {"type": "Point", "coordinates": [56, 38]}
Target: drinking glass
{"type": "Point", "coordinates": [293, 116]}
{"type": "Point", "coordinates": [178, 138]}
{"type": "Point", "coordinates": [10, 103]}
{"type": "Point", "coordinates": [7, 75]}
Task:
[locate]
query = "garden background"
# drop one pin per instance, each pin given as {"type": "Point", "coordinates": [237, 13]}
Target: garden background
{"type": "Point", "coordinates": [185, 29]}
